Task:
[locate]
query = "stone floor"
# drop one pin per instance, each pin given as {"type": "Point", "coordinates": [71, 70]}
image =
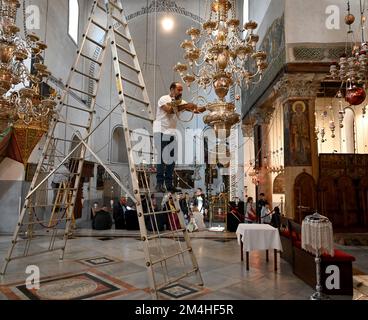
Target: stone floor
{"type": "Point", "coordinates": [105, 266]}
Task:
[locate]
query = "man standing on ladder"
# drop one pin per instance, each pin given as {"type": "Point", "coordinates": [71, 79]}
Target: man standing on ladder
{"type": "Point", "coordinates": [164, 130]}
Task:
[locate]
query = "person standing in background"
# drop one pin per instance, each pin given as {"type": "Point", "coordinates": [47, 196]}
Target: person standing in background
{"type": "Point", "coordinates": [260, 204]}
{"type": "Point", "coordinates": [119, 213]}
{"type": "Point", "coordinates": [250, 213]}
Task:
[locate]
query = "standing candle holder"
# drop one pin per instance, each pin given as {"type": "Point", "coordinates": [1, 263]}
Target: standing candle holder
{"type": "Point", "coordinates": [317, 238]}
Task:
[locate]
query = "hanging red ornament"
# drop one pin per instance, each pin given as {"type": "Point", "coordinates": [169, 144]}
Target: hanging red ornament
{"type": "Point", "coordinates": [355, 95]}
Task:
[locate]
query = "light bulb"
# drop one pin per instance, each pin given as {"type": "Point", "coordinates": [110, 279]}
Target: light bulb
{"type": "Point", "coordinates": [167, 24]}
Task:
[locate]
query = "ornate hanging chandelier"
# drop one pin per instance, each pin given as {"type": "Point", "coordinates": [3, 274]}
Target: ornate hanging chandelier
{"type": "Point", "coordinates": [25, 105]}
{"type": "Point", "coordinates": [352, 68]}
{"type": "Point", "coordinates": [219, 57]}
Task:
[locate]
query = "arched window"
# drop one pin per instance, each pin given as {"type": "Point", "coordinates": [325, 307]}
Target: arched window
{"type": "Point", "coordinates": [119, 152]}
{"type": "Point", "coordinates": [348, 132]}
{"type": "Point", "coordinates": [73, 28]}
{"type": "Point", "coordinates": [75, 141]}
{"type": "Point", "coordinates": [245, 11]}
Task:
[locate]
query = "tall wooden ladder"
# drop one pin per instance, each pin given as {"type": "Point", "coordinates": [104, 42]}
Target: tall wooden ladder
{"type": "Point", "coordinates": [169, 256]}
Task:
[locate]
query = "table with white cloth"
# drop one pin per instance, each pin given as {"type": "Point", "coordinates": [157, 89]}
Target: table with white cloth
{"type": "Point", "coordinates": [258, 237]}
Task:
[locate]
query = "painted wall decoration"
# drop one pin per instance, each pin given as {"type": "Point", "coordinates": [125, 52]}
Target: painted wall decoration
{"type": "Point", "coordinates": [274, 39]}
{"type": "Point", "coordinates": [279, 184]}
{"type": "Point", "coordinates": [297, 134]}
{"type": "Point", "coordinates": [273, 44]}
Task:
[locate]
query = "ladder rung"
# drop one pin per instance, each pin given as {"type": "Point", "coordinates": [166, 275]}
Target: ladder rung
{"type": "Point", "coordinates": [91, 59]}
{"type": "Point", "coordinates": [133, 82]}
{"type": "Point", "coordinates": [35, 254]}
{"type": "Point", "coordinates": [101, 7]}
{"type": "Point", "coordinates": [63, 156]}
{"type": "Point", "coordinates": [69, 189]}
{"type": "Point", "coordinates": [95, 42]}
{"type": "Point", "coordinates": [43, 221]}
{"type": "Point", "coordinates": [64, 140]}
{"type": "Point", "coordinates": [86, 75]}
{"type": "Point", "coordinates": [138, 116]}
{"type": "Point", "coordinates": [74, 124]}
{"type": "Point", "coordinates": [144, 152]}
{"type": "Point", "coordinates": [115, 6]}
{"type": "Point", "coordinates": [78, 108]}
{"type": "Point", "coordinates": [98, 25]}
{"type": "Point", "coordinates": [165, 234]}
{"type": "Point", "coordinates": [129, 66]}
{"type": "Point", "coordinates": [142, 134]}
{"type": "Point", "coordinates": [119, 20]}
{"type": "Point", "coordinates": [171, 256]}
{"type": "Point", "coordinates": [136, 99]}
{"type": "Point", "coordinates": [122, 35]}
{"type": "Point", "coordinates": [177, 279]}
{"type": "Point", "coordinates": [44, 205]}
{"type": "Point", "coordinates": [71, 174]}
{"type": "Point", "coordinates": [125, 50]}
{"type": "Point", "coordinates": [83, 92]}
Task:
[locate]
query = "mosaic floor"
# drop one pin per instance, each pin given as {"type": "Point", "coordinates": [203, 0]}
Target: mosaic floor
{"type": "Point", "coordinates": [113, 269]}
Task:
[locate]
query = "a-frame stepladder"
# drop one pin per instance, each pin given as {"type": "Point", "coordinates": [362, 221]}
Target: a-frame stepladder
{"type": "Point", "coordinates": [169, 256]}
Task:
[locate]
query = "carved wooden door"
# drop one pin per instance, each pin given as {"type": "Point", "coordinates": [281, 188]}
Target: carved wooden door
{"type": "Point", "coordinates": [328, 203]}
{"type": "Point", "coordinates": [305, 196]}
{"type": "Point", "coordinates": [363, 194]}
{"type": "Point", "coordinates": [348, 201]}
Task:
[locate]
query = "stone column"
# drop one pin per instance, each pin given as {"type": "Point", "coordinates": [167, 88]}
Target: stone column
{"type": "Point", "coordinates": [248, 134]}
{"type": "Point", "coordinates": [263, 119]}
{"type": "Point", "coordinates": [297, 93]}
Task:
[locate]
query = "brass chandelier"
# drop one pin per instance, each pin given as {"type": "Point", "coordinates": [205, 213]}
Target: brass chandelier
{"type": "Point", "coordinates": [24, 105]}
{"type": "Point", "coordinates": [219, 57]}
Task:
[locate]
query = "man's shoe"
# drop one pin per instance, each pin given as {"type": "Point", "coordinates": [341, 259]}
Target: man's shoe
{"type": "Point", "coordinates": [160, 188]}
{"type": "Point", "coordinates": [173, 189]}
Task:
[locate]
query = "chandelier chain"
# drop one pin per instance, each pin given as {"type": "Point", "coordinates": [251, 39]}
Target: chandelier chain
{"type": "Point", "coordinates": [25, 25]}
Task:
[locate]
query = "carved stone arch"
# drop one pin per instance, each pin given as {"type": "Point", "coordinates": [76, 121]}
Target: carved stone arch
{"type": "Point", "coordinates": [305, 196]}
{"type": "Point", "coordinates": [119, 153]}
{"type": "Point", "coordinates": [348, 201]}
{"type": "Point", "coordinates": [75, 141]}
{"type": "Point", "coordinates": [165, 6]}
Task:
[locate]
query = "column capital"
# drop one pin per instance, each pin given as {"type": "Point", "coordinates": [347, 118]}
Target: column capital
{"type": "Point", "coordinates": [248, 125]}
{"type": "Point", "coordinates": [263, 115]}
{"type": "Point", "coordinates": [248, 130]}
{"type": "Point", "coordinates": [298, 86]}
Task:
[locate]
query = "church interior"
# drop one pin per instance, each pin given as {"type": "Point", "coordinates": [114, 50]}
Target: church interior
{"type": "Point", "coordinates": [183, 150]}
